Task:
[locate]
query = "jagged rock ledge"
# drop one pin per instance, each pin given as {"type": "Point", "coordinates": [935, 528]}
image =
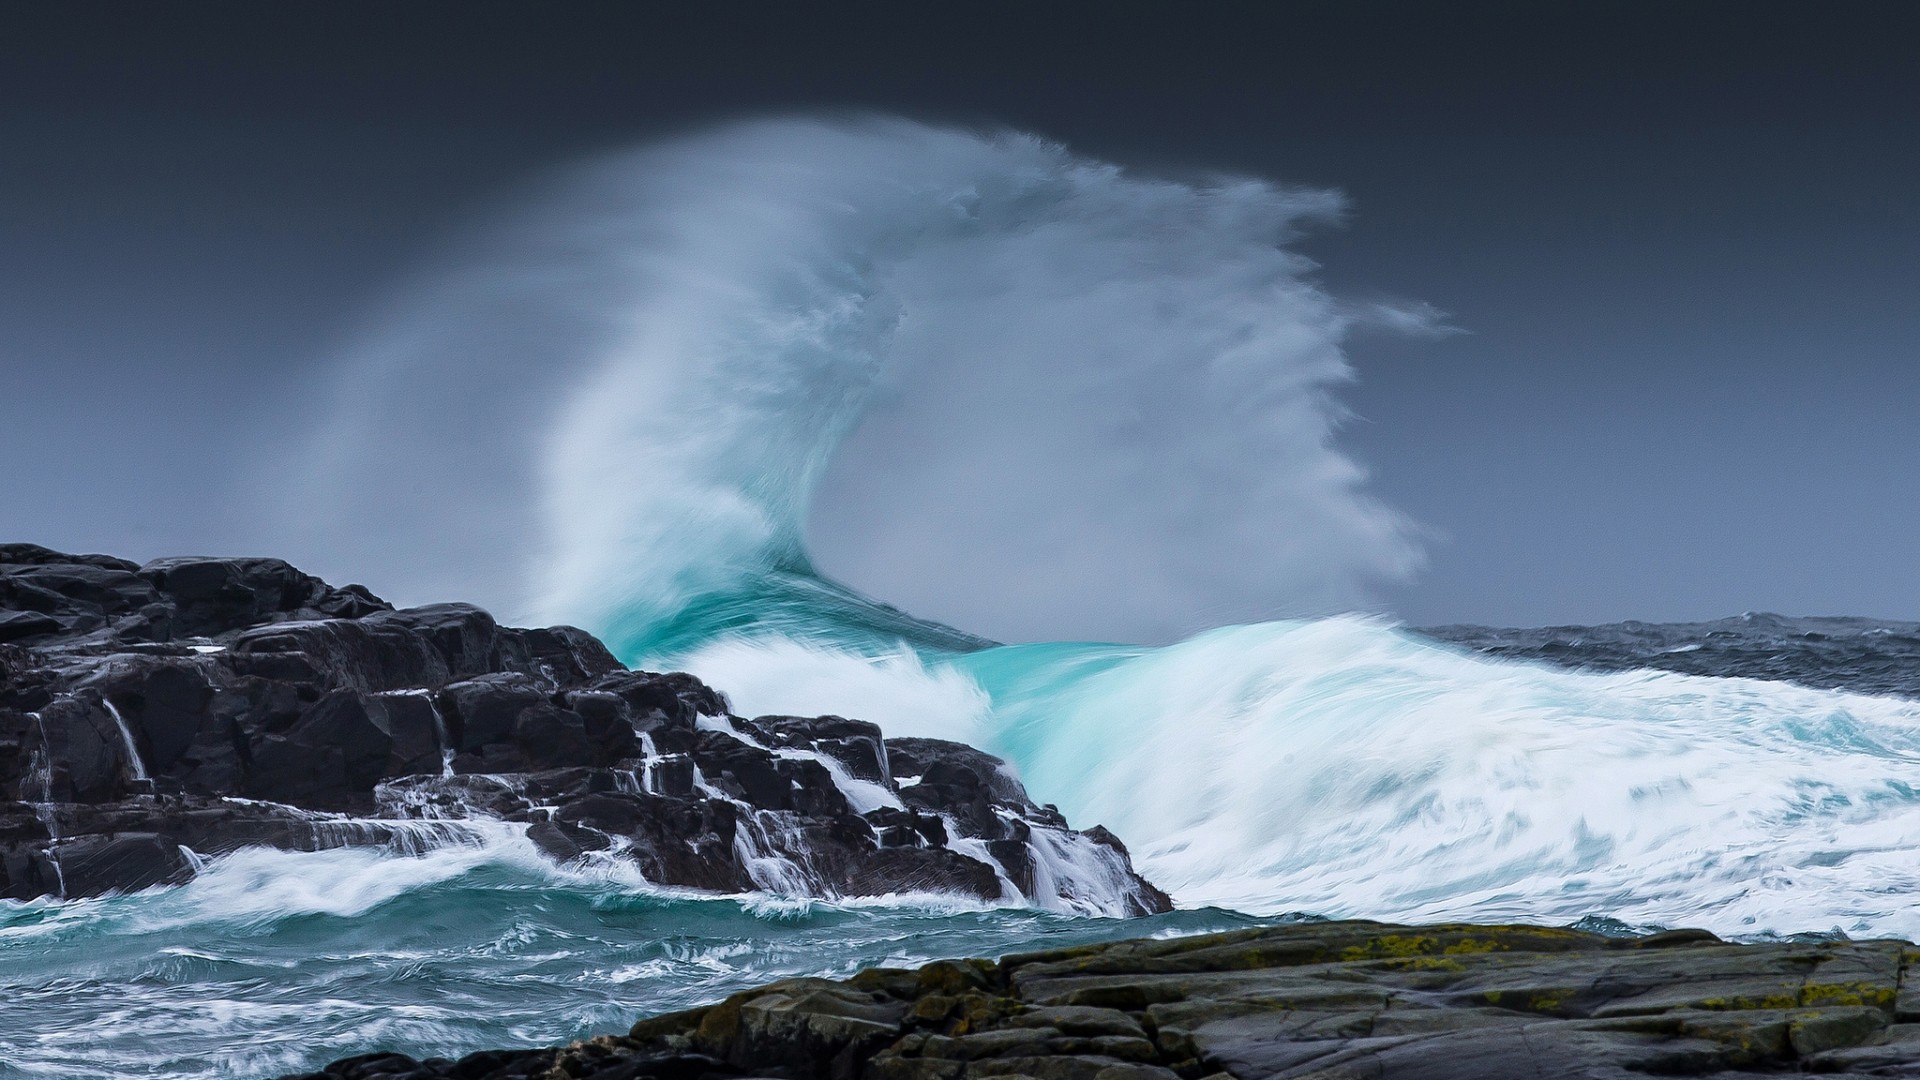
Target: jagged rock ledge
{"type": "Point", "coordinates": [153, 716]}
{"type": "Point", "coordinates": [1330, 1001]}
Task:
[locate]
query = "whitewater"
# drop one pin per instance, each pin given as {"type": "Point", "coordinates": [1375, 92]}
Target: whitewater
{"type": "Point", "coordinates": [742, 401]}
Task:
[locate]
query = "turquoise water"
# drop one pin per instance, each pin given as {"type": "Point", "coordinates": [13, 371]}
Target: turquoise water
{"type": "Point", "coordinates": [275, 962]}
{"type": "Point", "coordinates": [1349, 767]}
{"type": "Point", "coordinates": [1339, 767]}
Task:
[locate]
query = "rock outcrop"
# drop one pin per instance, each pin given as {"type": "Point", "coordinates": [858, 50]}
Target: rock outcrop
{"type": "Point", "coordinates": [1330, 1001]}
{"type": "Point", "coordinates": [152, 716]}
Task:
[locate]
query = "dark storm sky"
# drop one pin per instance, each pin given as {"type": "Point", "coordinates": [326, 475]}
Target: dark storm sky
{"type": "Point", "coordinates": [1684, 240]}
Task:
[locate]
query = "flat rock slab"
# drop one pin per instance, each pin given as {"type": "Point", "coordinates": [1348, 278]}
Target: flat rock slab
{"type": "Point", "coordinates": [1327, 1001]}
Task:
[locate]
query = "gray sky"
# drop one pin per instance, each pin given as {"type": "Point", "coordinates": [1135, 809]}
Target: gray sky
{"type": "Point", "coordinates": [1684, 244]}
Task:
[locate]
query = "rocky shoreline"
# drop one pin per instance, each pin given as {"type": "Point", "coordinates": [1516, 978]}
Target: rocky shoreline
{"type": "Point", "coordinates": [154, 716]}
{"type": "Point", "coordinates": [1329, 1001]}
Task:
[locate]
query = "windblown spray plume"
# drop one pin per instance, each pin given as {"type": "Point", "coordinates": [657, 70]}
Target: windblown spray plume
{"type": "Point", "coordinates": [999, 385]}
{"type": "Point", "coordinates": [710, 397]}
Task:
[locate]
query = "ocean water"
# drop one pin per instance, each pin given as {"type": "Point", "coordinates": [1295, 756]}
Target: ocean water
{"type": "Point", "coordinates": [274, 963]}
{"type": "Point", "coordinates": [1329, 768]}
{"type": "Point", "coordinates": [742, 402]}
{"type": "Point", "coordinates": [1866, 656]}
{"type": "Point", "coordinates": [1348, 767]}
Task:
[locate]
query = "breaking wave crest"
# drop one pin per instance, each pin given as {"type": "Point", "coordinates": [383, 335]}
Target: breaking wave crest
{"type": "Point", "coordinates": [1025, 393]}
{"type": "Point", "coordinates": [1349, 768]}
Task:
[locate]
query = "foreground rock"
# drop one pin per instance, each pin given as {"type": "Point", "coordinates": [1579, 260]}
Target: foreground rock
{"type": "Point", "coordinates": [1334, 1000]}
{"type": "Point", "coordinates": [151, 716]}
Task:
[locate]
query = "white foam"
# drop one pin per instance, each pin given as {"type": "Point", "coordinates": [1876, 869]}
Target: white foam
{"type": "Point", "coordinates": [135, 767]}
{"type": "Point", "coordinates": [898, 691]}
{"type": "Point", "coordinates": [269, 884]}
{"type": "Point", "coordinates": [1344, 768]}
{"type": "Point", "coordinates": [865, 796]}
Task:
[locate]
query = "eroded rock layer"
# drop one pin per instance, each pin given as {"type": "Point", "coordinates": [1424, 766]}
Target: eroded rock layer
{"type": "Point", "coordinates": [1329, 1001]}
{"type": "Point", "coordinates": [153, 716]}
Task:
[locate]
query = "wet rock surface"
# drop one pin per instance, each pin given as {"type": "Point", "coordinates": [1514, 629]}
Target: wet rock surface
{"type": "Point", "coordinates": [154, 716]}
{"type": "Point", "coordinates": [1314, 1000]}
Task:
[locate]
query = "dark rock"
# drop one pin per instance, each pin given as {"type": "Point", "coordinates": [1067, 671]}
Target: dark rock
{"type": "Point", "coordinates": [65, 587]}
{"type": "Point", "coordinates": [675, 699]}
{"type": "Point", "coordinates": [606, 722]}
{"type": "Point", "coordinates": [487, 709]}
{"type": "Point", "coordinates": [938, 761]}
{"type": "Point", "coordinates": [211, 704]}
{"type": "Point", "coordinates": [566, 842]}
{"type": "Point", "coordinates": [211, 597]}
{"type": "Point", "coordinates": [1321, 1000]}
{"type": "Point", "coordinates": [959, 781]}
{"type": "Point", "coordinates": [18, 624]}
{"type": "Point", "coordinates": [164, 703]}
{"type": "Point", "coordinates": [35, 555]}
{"type": "Point", "coordinates": [1016, 860]}
{"type": "Point", "coordinates": [855, 744]}
{"type": "Point", "coordinates": [744, 772]}
{"type": "Point", "coordinates": [570, 654]}
{"type": "Point", "coordinates": [87, 759]}
{"type": "Point", "coordinates": [332, 752]}
{"type": "Point", "coordinates": [123, 863]}
{"type": "Point", "coordinates": [924, 870]}
{"type": "Point", "coordinates": [409, 722]}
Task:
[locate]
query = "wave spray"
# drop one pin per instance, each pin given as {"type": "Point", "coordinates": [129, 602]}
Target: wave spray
{"type": "Point", "coordinates": [728, 388]}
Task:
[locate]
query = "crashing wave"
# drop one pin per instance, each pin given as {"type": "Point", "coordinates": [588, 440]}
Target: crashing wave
{"type": "Point", "coordinates": [1035, 395]}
